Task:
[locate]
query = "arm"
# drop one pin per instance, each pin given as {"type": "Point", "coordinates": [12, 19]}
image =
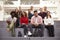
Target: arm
{"type": "Point", "coordinates": [32, 20]}
{"type": "Point", "coordinates": [52, 22]}
{"type": "Point", "coordinates": [40, 20]}
{"type": "Point", "coordinates": [45, 21]}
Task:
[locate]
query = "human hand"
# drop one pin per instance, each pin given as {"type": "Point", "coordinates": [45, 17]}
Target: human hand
{"type": "Point", "coordinates": [8, 29]}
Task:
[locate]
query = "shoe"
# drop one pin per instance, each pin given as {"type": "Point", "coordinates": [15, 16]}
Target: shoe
{"type": "Point", "coordinates": [25, 36]}
{"type": "Point", "coordinates": [29, 33]}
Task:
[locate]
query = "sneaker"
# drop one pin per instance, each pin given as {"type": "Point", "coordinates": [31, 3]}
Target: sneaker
{"type": "Point", "coordinates": [29, 33]}
{"type": "Point", "coordinates": [25, 36]}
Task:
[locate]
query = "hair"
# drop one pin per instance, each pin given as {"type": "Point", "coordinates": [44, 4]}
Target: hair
{"type": "Point", "coordinates": [13, 12]}
{"type": "Point", "coordinates": [24, 13]}
{"type": "Point", "coordinates": [35, 11]}
{"type": "Point", "coordinates": [49, 15]}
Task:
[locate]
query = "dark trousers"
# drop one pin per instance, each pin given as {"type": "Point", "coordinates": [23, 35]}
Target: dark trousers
{"type": "Point", "coordinates": [50, 29]}
{"type": "Point", "coordinates": [40, 28]}
{"type": "Point", "coordinates": [17, 23]}
{"type": "Point", "coordinates": [25, 29]}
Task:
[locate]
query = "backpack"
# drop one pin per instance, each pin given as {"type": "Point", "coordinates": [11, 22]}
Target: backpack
{"type": "Point", "coordinates": [37, 32]}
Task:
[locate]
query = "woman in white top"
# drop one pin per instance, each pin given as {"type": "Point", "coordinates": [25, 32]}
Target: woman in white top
{"type": "Point", "coordinates": [49, 24]}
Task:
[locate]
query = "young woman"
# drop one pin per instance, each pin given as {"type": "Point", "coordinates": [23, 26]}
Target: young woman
{"type": "Point", "coordinates": [24, 22]}
{"type": "Point", "coordinates": [49, 22]}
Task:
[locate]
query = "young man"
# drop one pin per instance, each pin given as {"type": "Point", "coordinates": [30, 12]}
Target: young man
{"type": "Point", "coordinates": [11, 23]}
{"type": "Point", "coordinates": [37, 22]}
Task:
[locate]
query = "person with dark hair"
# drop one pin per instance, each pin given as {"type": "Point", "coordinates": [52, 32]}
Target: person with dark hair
{"type": "Point", "coordinates": [32, 9]}
{"type": "Point", "coordinates": [17, 15]}
{"type": "Point", "coordinates": [49, 24]}
{"type": "Point", "coordinates": [24, 23]}
{"type": "Point", "coordinates": [37, 23]}
{"type": "Point", "coordinates": [11, 21]}
{"type": "Point", "coordinates": [29, 15]}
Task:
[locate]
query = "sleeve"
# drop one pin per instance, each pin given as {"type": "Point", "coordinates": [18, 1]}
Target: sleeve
{"type": "Point", "coordinates": [15, 19]}
{"type": "Point", "coordinates": [32, 21]}
{"type": "Point", "coordinates": [8, 19]}
{"type": "Point", "coordinates": [45, 21]}
{"type": "Point", "coordinates": [41, 20]}
{"type": "Point", "coordinates": [52, 22]}
{"type": "Point", "coordinates": [27, 21]}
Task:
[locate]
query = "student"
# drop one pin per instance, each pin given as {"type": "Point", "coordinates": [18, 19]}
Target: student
{"type": "Point", "coordinates": [37, 22]}
{"type": "Point", "coordinates": [42, 13]}
{"type": "Point", "coordinates": [29, 14]}
{"type": "Point", "coordinates": [32, 9]}
{"type": "Point", "coordinates": [49, 22]}
{"type": "Point", "coordinates": [45, 9]}
{"type": "Point", "coordinates": [24, 23]}
{"type": "Point", "coordinates": [17, 15]}
{"type": "Point", "coordinates": [11, 23]}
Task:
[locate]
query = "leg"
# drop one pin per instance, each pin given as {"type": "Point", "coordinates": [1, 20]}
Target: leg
{"type": "Point", "coordinates": [50, 29]}
{"type": "Point", "coordinates": [41, 29]}
{"type": "Point", "coordinates": [25, 29]}
{"type": "Point", "coordinates": [30, 28]}
{"type": "Point", "coordinates": [13, 32]}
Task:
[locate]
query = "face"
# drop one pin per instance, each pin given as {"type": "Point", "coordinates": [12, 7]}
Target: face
{"type": "Point", "coordinates": [31, 7]}
{"type": "Point", "coordinates": [36, 14]}
{"type": "Point", "coordinates": [45, 8]}
{"type": "Point", "coordinates": [12, 15]}
{"type": "Point", "coordinates": [41, 9]}
{"type": "Point", "coordinates": [48, 13]}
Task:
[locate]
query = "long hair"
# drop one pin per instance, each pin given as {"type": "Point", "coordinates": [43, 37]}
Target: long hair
{"type": "Point", "coordinates": [24, 13]}
{"type": "Point", "coordinates": [48, 15]}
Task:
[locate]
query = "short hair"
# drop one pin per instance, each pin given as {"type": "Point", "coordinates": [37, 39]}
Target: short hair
{"type": "Point", "coordinates": [35, 11]}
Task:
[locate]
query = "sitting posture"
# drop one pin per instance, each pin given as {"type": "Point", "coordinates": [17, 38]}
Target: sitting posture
{"type": "Point", "coordinates": [49, 22]}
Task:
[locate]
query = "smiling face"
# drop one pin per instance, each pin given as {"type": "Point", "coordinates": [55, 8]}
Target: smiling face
{"type": "Point", "coordinates": [48, 13]}
{"type": "Point", "coordinates": [35, 13]}
{"type": "Point", "coordinates": [41, 9]}
{"type": "Point", "coordinates": [31, 8]}
{"type": "Point", "coordinates": [45, 8]}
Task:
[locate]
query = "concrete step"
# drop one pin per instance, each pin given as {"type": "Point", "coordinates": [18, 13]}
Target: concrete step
{"type": "Point", "coordinates": [5, 33]}
{"type": "Point", "coordinates": [3, 24]}
{"type": "Point", "coordinates": [30, 38]}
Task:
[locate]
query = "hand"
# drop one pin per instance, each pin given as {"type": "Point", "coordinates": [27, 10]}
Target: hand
{"type": "Point", "coordinates": [8, 29]}
{"type": "Point", "coordinates": [36, 24]}
{"type": "Point", "coordinates": [23, 23]}
{"type": "Point", "coordinates": [8, 22]}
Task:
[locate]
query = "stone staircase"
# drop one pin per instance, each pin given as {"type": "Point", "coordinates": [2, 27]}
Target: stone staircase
{"type": "Point", "coordinates": [5, 35]}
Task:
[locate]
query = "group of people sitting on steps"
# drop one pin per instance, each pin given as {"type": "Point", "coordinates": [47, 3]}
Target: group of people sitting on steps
{"type": "Point", "coordinates": [32, 21]}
